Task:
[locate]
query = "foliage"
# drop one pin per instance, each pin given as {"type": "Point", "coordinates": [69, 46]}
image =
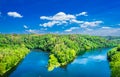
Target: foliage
{"type": "Point", "coordinates": [63, 48]}
{"type": "Point", "coordinates": [53, 62]}
{"type": "Point", "coordinates": [10, 56]}
{"type": "Point", "coordinates": [114, 58]}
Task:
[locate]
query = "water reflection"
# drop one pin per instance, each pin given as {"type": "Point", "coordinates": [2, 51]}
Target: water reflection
{"type": "Point", "coordinates": [91, 64]}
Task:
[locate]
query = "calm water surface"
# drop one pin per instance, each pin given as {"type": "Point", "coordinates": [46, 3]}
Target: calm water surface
{"type": "Point", "coordinates": [91, 64]}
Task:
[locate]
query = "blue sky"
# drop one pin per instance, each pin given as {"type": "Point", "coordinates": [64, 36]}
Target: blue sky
{"type": "Point", "coordinates": [98, 17]}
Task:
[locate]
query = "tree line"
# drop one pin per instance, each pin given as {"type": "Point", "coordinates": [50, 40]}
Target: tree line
{"type": "Point", "coordinates": [114, 58]}
{"type": "Point", "coordinates": [62, 48]}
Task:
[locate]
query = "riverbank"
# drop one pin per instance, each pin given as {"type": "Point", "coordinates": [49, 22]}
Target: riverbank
{"type": "Point", "coordinates": [114, 61]}
{"type": "Point", "coordinates": [10, 58]}
{"type": "Point", "coordinates": [7, 73]}
{"type": "Point", "coordinates": [95, 60]}
{"type": "Point", "coordinates": [62, 48]}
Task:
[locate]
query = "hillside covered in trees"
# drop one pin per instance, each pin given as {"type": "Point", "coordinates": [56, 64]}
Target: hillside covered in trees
{"type": "Point", "coordinates": [62, 48]}
{"type": "Point", "coordinates": [114, 58]}
{"type": "Point", "coordinates": [10, 56]}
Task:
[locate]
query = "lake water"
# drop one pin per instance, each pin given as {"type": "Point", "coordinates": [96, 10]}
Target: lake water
{"type": "Point", "coordinates": [91, 64]}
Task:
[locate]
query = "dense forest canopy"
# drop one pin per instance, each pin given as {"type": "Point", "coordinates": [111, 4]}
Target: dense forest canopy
{"type": "Point", "coordinates": [114, 58]}
{"type": "Point", "coordinates": [62, 48]}
{"type": "Point", "coordinates": [10, 56]}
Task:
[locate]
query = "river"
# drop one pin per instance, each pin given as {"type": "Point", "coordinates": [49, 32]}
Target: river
{"type": "Point", "coordinates": [90, 64]}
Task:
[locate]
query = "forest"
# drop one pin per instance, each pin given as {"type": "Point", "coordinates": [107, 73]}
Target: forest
{"type": "Point", "coordinates": [114, 58]}
{"type": "Point", "coordinates": [63, 49]}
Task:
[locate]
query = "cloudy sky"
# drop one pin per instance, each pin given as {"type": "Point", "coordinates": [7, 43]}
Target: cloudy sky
{"type": "Point", "coordinates": [98, 17]}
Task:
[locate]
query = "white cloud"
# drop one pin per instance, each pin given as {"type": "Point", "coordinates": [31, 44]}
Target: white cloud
{"type": "Point", "coordinates": [25, 26]}
{"type": "Point", "coordinates": [14, 14]}
{"type": "Point", "coordinates": [51, 23]}
{"type": "Point", "coordinates": [32, 31]}
{"type": "Point", "coordinates": [71, 29]}
{"type": "Point", "coordinates": [76, 21]}
{"type": "Point", "coordinates": [103, 32]}
{"type": "Point", "coordinates": [60, 18]}
{"type": "Point", "coordinates": [105, 27]}
{"type": "Point", "coordinates": [82, 14]}
{"type": "Point", "coordinates": [88, 29]}
{"type": "Point", "coordinates": [91, 24]}
{"type": "Point", "coordinates": [36, 31]}
{"type": "Point", "coordinates": [45, 18]}
{"type": "Point", "coordinates": [118, 24]}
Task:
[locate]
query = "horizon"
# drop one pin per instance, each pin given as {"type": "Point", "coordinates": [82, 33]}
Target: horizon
{"type": "Point", "coordinates": [98, 18]}
{"type": "Point", "coordinates": [57, 34]}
